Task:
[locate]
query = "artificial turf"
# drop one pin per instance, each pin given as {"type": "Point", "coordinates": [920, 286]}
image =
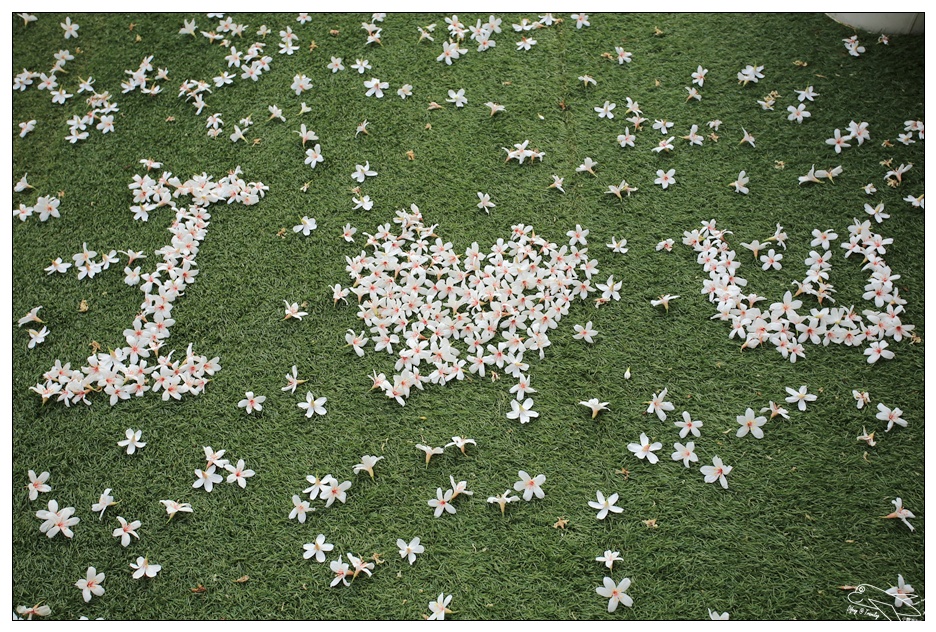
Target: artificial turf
{"type": "Point", "coordinates": [802, 515]}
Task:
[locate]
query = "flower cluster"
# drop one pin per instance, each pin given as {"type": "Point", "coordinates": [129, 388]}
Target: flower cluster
{"type": "Point", "coordinates": [750, 74]}
{"type": "Point", "coordinates": [46, 206]}
{"type": "Point", "coordinates": [856, 131]}
{"type": "Point", "coordinates": [781, 324]}
{"type": "Point", "coordinates": [207, 478]}
{"type": "Point", "coordinates": [521, 153]}
{"type": "Point", "coordinates": [139, 78]}
{"type": "Point", "coordinates": [852, 46]}
{"type": "Point", "coordinates": [126, 371]}
{"type": "Point", "coordinates": [326, 488]}
{"type": "Point", "coordinates": [443, 502]}
{"type": "Point", "coordinates": [409, 290]}
{"type": "Point", "coordinates": [57, 520]}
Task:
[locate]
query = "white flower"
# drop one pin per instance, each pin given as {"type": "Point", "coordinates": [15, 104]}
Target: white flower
{"type": "Point", "coordinates": [645, 449]}
{"type": "Point", "coordinates": [665, 178]}
{"type": "Point", "coordinates": [530, 486]}
{"type": "Point", "coordinates": [144, 568]}
{"type": "Point", "coordinates": [604, 505]}
{"type": "Point", "coordinates": [105, 501]}
{"type": "Point", "coordinates": [317, 549]}
{"type": "Point", "coordinates": [375, 87]}
{"type": "Point", "coordinates": [313, 406]}
{"type": "Point", "coordinates": [442, 502]}
{"type": "Point", "coordinates": [522, 411]}
{"type": "Point", "coordinates": [173, 507]}
{"type": "Point", "coordinates": [251, 402]}
{"type": "Point", "coordinates": [439, 607]}
{"type": "Point", "coordinates": [458, 98]}
{"type": "Point", "coordinates": [367, 464]}
{"type": "Point", "coordinates": [604, 111]}
{"type": "Point", "coordinates": [132, 442]}
{"type": "Point", "coordinates": [716, 472]}
{"type": "Point", "coordinates": [609, 558]}
{"type": "Point", "coordinates": [362, 172]}
{"type": "Point", "coordinates": [485, 202]}
{"type": "Point", "coordinates": [409, 551]}
{"type": "Point", "coordinates": [206, 479]}
{"type": "Point", "coordinates": [615, 593]}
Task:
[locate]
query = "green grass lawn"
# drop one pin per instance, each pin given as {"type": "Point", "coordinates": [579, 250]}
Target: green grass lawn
{"type": "Point", "coordinates": [802, 514]}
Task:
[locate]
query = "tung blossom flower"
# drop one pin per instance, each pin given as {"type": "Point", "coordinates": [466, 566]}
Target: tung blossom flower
{"type": "Point", "coordinates": [335, 491]}
{"type": "Point", "coordinates": [750, 423]}
{"type": "Point", "coordinates": [342, 572]}
{"type": "Point", "coordinates": [604, 505]}
{"type": "Point", "coordinates": [125, 530]}
{"type": "Point", "coordinates": [143, 568]}
{"type": "Point", "coordinates": [57, 521]}
{"type": "Point", "coordinates": [439, 607]}
{"type": "Point", "coordinates": [39, 610]}
{"type": "Point", "coordinates": [430, 451]}
{"type": "Point", "coordinates": [461, 443]}
{"type": "Point", "coordinates": [502, 500]}
{"type": "Point", "coordinates": [485, 202]}
{"type": "Point", "coordinates": [892, 416]}
{"type": "Point", "coordinates": [585, 333]}
{"type": "Point", "coordinates": [901, 513]}
{"type": "Point", "coordinates": [717, 471]}
{"type": "Point", "coordinates": [317, 549]}
{"type": "Point", "coordinates": [450, 51]}
{"type": "Point", "coordinates": [740, 183]}
{"type": "Point", "coordinates": [645, 449]}
{"type": "Point", "coordinates": [238, 473]}
{"type": "Point", "coordinates": [292, 381]}
{"type": "Point", "coordinates": [609, 558]}
{"type": "Point", "coordinates": [458, 98]}
{"type": "Point", "coordinates": [409, 551]}
{"type": "Point", "coordinates": [838, 141]}
{"type": "Point", "coordinates": [362, 172]}
{"type": "Point", "coordinates": [206, 478]}
{"type": "Point", "coordinates": [665, 178]}
{"type": "Point", "coordinates": [173, 507]}
{"type": "Point", "coordinates": [615, 593]}
{"type": "Point", "coordinates": [684, 453]}
{"type": "Point", "coordinates": [799, 397]}
{"type": "Point", "coordinates": [901, 593]}
{"type": "Point", "coordinates": [442, 502]}
{"type": "Point", "coordinates": [314, 156]}
{"type": "Point", "coordinates": [688, 425]}
{"type": "Point", "coordinates": [292, 311]}
{"type": "Point", "coordinates": [305, 226]}
{"type": "Point", "coordinates": [300, 508]}
{"type": "Point", "coordinates": [251, 402]}
{"type": "Point", "coordinates": [313, 405]}
{"type": "Point", "coordinates": [659, 405]}
{"type": "Point", "coordinates": [367, 465]}
{"type": "Point", "coordinates": [605, 111]}
{"type": "Point", "coordinates": [877, 350]}
{"type": "Point", "coordinates": [664, 301]}
{"type": "Point", "coordinates": [375, 87]}
{"type": "Point", "coordinates": [71, 30]}
{"type": "Point", "coordinates": [530, 486]}
{"type": "Point", "coordinates": [104, 501]}
{"type": "Point", "coordinates": [522, 411]}
{"type": "Point", "coordinates": [595, 406]}
{"type": "Point", "coordinates": [90, 584]}
{"type": "Point", "coordinates": [37, 484]}
{"type": "Point", "coordinates": [587, 165]}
